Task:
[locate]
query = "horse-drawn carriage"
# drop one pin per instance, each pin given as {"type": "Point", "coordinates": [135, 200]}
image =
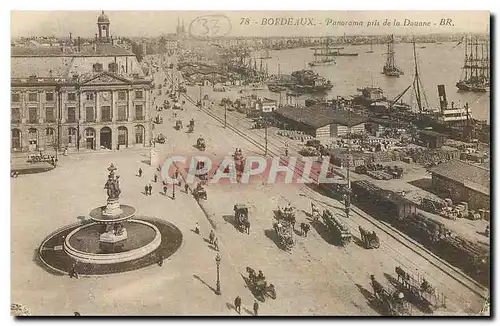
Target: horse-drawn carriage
{"type": "Point", "coordinates": [391, 304]}
{"type": "Point", "coordinates": [369, 240]}
{"type": "Point", "coordinates": [199, 192]}
{"type": "Point", "coordinates": [419, 290]}
{"type": "Point", "coordinates": [160, 138]}
{"type": "Point", "coordinates": [284, 232]}
{"type": "Point", "coordinates": [158, 119]}
{"type": "Point", "coordinates": [258, 285]}
{"type": "Point", "coordinates": [241, 218]}
{"type": "Point", "coordinates": [39, 157]}
{"type": "Point", "coordinates": [178, 124]}
{"type": "Point", "coordinates": [338, 227]}
{"type": "Point", "coordinates": [200, 144]}
{"type": "Point", "coordinates": [284, 226]}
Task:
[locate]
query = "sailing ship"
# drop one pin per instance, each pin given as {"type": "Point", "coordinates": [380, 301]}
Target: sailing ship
{"type": "Point", "coordinates": [326, 59]}
{"type": "Point", "coordinates": [453, 120]}
{"type": "Point", "coordinates": [390, 68]}
{"type": "Point", "coordinates": [476, 70]}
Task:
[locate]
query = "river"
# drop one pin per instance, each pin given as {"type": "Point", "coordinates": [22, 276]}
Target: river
{"type": "Point", "coordinates": [438, 64]}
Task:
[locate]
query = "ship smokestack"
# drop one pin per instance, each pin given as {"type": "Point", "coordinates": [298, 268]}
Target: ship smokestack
{"type": "Point", "coordinates": [443, 103]}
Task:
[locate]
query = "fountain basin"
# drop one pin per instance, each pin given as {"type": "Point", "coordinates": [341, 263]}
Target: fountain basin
{"type": "Point", "coordinates": [83, 245]}
{"type": "Point", "coordinates": [97, 214]}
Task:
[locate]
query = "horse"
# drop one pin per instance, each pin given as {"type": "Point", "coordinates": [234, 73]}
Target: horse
{"type": "Point", "coordinates": [402, 274]}
{"type": "Point", "coordinates": [304, 228]}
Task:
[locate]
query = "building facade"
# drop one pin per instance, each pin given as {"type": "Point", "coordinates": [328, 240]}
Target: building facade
{"type": "Point", "coordinates": [88, 98]}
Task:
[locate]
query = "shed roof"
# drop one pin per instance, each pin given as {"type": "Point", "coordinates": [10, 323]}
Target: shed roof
{"type": "Point", "coordinates": [320, 115]}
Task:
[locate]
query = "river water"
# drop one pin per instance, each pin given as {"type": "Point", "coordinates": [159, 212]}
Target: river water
{"type": "Point", "coordinates": [438, 64]}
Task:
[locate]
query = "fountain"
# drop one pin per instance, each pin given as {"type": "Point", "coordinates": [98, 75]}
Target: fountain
{"type": "Point", "coordinates": [113, 240]}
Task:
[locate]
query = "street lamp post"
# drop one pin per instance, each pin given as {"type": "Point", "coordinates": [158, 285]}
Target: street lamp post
{"type": "Point", "coordinates": [348, 193]}
{"type": "Point", "coordinates": [265, 133]}
{"type": "Point", "coordinates": [217, 262]}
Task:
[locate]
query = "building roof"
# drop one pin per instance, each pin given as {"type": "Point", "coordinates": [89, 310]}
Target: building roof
{"type": "Point", "coordinates": [103, 18]}
{"type": "Point", "coordinates": [470, 175]}
{"type": "Point", "coordinates": [100, 50]}
{"type": "Point", "coordinates": [320, 115]}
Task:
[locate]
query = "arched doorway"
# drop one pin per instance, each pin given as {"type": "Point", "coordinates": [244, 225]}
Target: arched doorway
{"type": "Point", "coordinates": [50, 137]}
{"type": "Point", "coordinates": [32, 139]}
{"type": "Point", "coordinates": [105, 136]}
{"type": "Point", "coordinates": [90, 138]}
{"type": "Point", "coordinates": [139, 134]}
{"type": "Point", "coordinates": [122, 136]}
{"type": "Point", "coordinates": [16, 139]}
{"type": "Point", "coordinates": [72, 137]}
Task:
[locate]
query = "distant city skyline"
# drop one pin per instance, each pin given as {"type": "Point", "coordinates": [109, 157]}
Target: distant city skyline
{"type": "Point", "coordinates": [156, 23]}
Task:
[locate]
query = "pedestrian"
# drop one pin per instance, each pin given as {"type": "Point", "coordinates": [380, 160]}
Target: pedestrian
{"type": "Point", "coordinates": [140, 172]}
{"type": "Point", "coordinates": [216, 244]}
{"type": "Point", "coordinates": [237, 304]}
{"type": "Point", "coordinates": [73, 272]}
{"type": "Point", "coordinates": [255, 308]}
{"type": "Point", "coordinates": [155, 178]}
{"type": "Point", "coordinates": [146, 189]}
{"type": "Point", "coordinates": [165, 189]}
{"type": "Point", "coordinates": [197, 228]}
{"type": "Point", "coordinates": [186, 188]}
{"type": "Point", "coordinates": [150, 188]}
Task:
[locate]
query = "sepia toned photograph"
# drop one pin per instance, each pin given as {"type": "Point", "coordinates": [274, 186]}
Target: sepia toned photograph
{"type": "Point", "coordinates": [250, 163]}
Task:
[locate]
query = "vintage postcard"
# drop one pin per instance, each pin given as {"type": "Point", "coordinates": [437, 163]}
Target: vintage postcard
{"type": "Point", "coordinates": [250, 163]}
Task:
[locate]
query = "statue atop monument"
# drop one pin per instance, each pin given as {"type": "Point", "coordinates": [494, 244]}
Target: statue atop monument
{"type": "Point", "coordinates": [112, 184]}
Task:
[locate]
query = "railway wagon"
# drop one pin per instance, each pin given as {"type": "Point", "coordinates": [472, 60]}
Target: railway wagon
{"type": "Point", "coordinates": [385, 204]}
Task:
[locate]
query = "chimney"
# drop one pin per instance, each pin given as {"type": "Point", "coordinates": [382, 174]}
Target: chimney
{"type": "Point", "coordinates": [79, 45]}
{"type": "Point", "coordinates": [70, 39]}
{"type": "Point", "coordinates": [96, 37]}
{"type": "Point", "coordinates": [443, 103]}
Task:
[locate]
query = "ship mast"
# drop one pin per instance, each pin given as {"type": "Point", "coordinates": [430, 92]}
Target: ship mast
{"type": "Point", "coordinates": [417, 80]}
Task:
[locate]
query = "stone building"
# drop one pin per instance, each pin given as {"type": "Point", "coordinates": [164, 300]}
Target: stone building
{"type": "Point", "coordinates": [79, 97]}
{"type": "Point", "coordinates": [463, 181]}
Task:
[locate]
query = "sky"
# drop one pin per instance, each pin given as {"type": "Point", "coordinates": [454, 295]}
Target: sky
{"type": "Point", "coordinates": [234, 23]}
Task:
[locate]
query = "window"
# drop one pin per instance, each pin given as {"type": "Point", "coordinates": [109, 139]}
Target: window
{"type": "Point", "coordinates": [90, 96]}
{"type": "Point", "coordinates": [71, 114]}
{"type": "Point", "coordinates": [49, 97]}
{"type": "Point", "coordinates": [138, 112]}
{"type": "Point", "coordinates": [32, 97]}
{"type": "Point", "coordinates": [106, 113]}
{"type": "Point", "coordinates": [122, 113]}
{"type": "Point", "coordinates": [49, 114]}
{"type": "Point", "coordinates": [16, 139]}
{"type": "Point", "coordinates": [89, 114]}
{"type": "Point", "coordinates": [71, 97]}
{"type": "Point", "coordinates": [16, 97]}
{"type": "Point", "coordinates": [72, 137]}
{"type": "Point", "coordinates": [33, 115]}
{"type": "Point", "coordinates": [16, 115]}
{"type": "Point", "coordinates": [139, 134]}
{"type": "Point", "coordinates": [138, 94]}
{"type": "Point", "coordinates": [122, 96]}
{"type": "Point", "coordinates": [49, 136]}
